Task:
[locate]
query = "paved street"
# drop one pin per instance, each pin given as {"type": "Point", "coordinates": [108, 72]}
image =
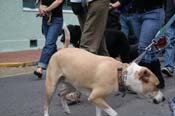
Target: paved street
{"type": "Point", "coordinates": [24, 96]}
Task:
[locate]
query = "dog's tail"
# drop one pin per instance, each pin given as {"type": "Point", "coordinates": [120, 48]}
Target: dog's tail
{"type": "Point", "coordinates": [67, 37]}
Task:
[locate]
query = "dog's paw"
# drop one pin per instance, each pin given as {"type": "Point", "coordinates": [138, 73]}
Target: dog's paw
{"type": "Point", "coordinates": [67, 112]}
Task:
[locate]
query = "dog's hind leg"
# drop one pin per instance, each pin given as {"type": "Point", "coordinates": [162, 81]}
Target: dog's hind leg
{"type": "Point", "coordinates": [97, 97]}
{"type": "Point", "coordinates": [50, 88]}
{"type": "Point", "coordinates": [52, 77]}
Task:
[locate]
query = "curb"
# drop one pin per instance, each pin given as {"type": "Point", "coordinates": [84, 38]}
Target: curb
{"type": "Point", "coordinates": [18, 64]}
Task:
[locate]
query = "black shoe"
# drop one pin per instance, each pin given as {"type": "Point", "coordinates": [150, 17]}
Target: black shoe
{"type": "Point", "coordinates": [39, 75]}
{"type": "Point", "coordinates": [167, 71]}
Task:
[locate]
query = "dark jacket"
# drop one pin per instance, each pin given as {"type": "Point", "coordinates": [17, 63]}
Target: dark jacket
{"type": "Point", "coordinates": [169, 9]}
{"type": "Point", "coordinates": [143, 4]}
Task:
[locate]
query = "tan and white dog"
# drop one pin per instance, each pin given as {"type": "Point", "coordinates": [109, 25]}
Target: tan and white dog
{"type": "Point", "coordinates": [97, 75]}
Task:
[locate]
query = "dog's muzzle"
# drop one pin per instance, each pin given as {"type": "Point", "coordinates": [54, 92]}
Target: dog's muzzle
{"type": "Point", "coordinates": [158, 98]}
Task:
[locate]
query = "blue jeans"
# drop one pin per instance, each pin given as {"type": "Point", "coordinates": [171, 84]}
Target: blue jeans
{"type": "Point", "coordinates": [125, 22]}
{"type": "Point", "coordinates": [145, 26]}
{"type": "Point", "coordinates": [169, 55]}
{"type": "Point", "coordinates": [51, 33]}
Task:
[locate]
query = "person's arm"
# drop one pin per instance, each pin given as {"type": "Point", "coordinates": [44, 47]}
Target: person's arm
{"type": "Point", "coordinates": [115, 5]}
{"type": "Point", "coordinates": [40, 8]}
{"type": "Point", "coordinates": [118, 3]}
{"type": "Point", "coordinates": [55, 4]}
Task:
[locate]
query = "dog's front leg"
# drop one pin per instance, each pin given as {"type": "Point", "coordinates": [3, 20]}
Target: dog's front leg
{"type": "Point", "coordinates": [100, 102]}
{"type": "Point", "coordinates": [110, 111]}
{"type": "Point", "coordinates": [65, 105]}
{"type": "Point", "coordinates": [98, 111]}
{"type": "Point", "coordinates": [105, 107]}
{"type": "Point", "coordinates": [46, 113]}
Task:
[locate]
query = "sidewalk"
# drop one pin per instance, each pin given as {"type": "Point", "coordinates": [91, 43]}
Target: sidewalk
{"type": "Point", "coordinates": [17, 63]}
{"type": "Point", "coordinates": [21, 62]}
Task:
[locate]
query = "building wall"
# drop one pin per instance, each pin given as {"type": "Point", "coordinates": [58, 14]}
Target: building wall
{"type": "Point", "coordinates": [18, 28]}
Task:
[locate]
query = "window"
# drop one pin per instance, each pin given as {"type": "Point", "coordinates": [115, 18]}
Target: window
{"type": "Point", "coordinates": [66, 5]}
{"type": "Point", "coordinates": [30, 5]}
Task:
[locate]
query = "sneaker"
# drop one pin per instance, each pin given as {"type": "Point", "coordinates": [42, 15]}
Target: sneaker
{"type": "Point", "coordinates": [167, 71]}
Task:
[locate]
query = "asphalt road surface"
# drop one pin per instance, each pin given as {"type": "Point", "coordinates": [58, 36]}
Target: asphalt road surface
{"type": "Point", "coordinates": [24, 96]}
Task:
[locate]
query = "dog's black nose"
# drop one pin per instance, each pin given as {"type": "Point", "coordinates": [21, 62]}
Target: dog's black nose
{"type": "Point", "coordinates": [163, 99]}
{"type": "Point", "coordinates": [155, 101]}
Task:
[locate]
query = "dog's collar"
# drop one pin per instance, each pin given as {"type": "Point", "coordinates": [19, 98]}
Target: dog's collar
{"type": "Point", "coordinates": [122, 77]}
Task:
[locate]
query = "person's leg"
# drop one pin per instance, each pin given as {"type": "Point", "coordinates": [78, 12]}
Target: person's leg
{"type": "Point", "coordinates": [152, 22]}
{"type": "Point", "coordinates": [45, 27]}
{"type": "Point", "coordinates": [94, 26]}
{"type": "Point", "coordinates": [136, 22]}
{"type": "Point", "coordinates": [51, 34]}
{"type": "Point", "coordinates": [82, 18]}
{"type": "Point", "coordinates": [132, 37]}
{"type": "Point", "coordinates": [124, 25]}
{"type": "Point", "coordinates": [169, 53]}
{"type": "Point", "coordinates": [50, 43]}
{"type": "Point", "coordinates": [103, 48]}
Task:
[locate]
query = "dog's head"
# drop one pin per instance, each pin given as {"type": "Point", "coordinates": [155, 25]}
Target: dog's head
{"type": "Point", "coordinates": [142, 81]}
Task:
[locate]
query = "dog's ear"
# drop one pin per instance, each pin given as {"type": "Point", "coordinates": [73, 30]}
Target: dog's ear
{"type": "Point", "coordinates": [144, 75]}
